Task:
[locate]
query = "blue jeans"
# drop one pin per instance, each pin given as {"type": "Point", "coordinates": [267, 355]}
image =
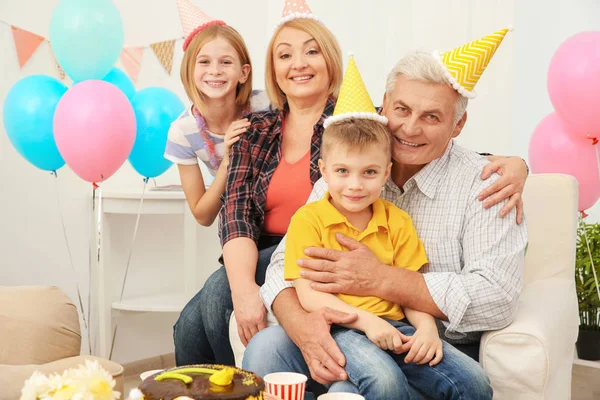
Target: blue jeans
{"type": "Point", "coordinates": [374, 373]}
{"type": "Point", "coordinates": [201, 334]}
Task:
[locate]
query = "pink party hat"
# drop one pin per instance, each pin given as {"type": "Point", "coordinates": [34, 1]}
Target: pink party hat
{"type": "Point", "coordinates": [193, 20]}
{"type": "Point", "coordinates": [295, 9]}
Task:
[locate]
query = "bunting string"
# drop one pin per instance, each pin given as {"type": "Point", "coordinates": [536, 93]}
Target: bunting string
{"type": "Point", "coordinates": [27, 42]}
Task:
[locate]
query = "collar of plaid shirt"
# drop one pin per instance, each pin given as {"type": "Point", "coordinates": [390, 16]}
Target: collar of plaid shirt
{"type": "Point", "coordinates": [245, 196]}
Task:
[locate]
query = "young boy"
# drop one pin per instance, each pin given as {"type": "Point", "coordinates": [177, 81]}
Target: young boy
{"type": "Point", "coordinates": [355, 163]}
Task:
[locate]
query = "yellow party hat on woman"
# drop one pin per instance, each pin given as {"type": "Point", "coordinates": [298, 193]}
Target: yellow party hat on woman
{"type": "Point", "coordinates": [354, 100]}
{"type": "Point", "coordinates": [465, 65]}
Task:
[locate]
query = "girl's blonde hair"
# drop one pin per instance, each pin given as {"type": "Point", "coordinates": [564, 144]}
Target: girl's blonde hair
{"type": "Point", "coordinates": [188, 63]}
{"type": "Point", "coordinates": [331, 52]}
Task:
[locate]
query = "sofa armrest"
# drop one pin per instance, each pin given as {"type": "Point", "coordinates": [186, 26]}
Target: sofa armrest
{"type": "Point", "coordinates": [533, 356]}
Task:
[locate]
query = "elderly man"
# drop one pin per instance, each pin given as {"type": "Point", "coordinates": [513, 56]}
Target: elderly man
{"type": "Point", "coordinates": [476, 257]}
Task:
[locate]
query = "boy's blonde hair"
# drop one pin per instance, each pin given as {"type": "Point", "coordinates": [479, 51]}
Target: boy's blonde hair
{"type": "Point", "coordinates": [328, 45]}
{"type": "Point", "coordinates": [188, 64]}
{"type": "Point", "coordinates": [356, 134]}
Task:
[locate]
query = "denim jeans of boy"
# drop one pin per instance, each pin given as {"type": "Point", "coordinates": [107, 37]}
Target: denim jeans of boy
{"type": "Point", "coordinates": [372, 372]}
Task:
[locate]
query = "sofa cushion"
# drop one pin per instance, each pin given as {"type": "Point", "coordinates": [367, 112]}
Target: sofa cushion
{"type": "Point", "coordinates": [40, 324]}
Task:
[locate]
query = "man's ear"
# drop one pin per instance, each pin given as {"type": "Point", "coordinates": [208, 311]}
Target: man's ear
{"type": "Point", "coordinates": [245, 72]}
{"type": "Point", "coordinates": [460, 125]}
{"type": "Point", "coordinates": [323, 169]}
{"type": "Point", "coordinates": [383, 104]}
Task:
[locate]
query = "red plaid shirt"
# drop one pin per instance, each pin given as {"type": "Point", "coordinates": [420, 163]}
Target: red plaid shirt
{"type": "Point", "coordinates": [252, 162]}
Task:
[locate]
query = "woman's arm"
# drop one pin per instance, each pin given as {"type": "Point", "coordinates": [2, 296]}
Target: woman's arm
{"type": "Point", "coordinates": [239, 235]}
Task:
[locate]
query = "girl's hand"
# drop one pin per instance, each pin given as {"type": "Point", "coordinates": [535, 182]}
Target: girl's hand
{"type": "Point", "coordinates": [233, 133]}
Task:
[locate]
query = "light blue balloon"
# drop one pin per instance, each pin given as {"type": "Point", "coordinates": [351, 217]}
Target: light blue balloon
{"type": "Point", "coordinates": [86, 37]}
{"type": "Point", "coordinates": [28, 113]}
{"type": "Point", "coordinates": [155, 109]}
{"type": "Point", "coordinates": [122, 81]}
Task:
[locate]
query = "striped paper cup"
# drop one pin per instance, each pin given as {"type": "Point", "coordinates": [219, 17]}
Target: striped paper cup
{"type": "Point", "coordinates": [286, 385]}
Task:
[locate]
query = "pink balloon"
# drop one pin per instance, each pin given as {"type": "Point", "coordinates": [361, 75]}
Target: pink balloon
{"type": "Point", "coordinates": [553, 150]}
{"type": "Point", "coordinates": [574, 83]}
{"type": "Point", "coordinates": [94, 129]}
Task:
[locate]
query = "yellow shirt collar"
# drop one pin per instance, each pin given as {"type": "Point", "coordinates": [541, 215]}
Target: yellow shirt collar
{"type": "Point", "coordinates": [331, 216]}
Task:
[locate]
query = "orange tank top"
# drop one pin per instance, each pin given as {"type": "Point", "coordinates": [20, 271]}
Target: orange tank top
{"type": "Point", "coordinates": [288, 190]}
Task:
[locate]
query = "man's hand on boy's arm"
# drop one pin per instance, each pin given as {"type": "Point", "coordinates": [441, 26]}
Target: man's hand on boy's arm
{"type": "Point", "coordinates": [359, 272]}
{"type": "Point", "coordinates": [425, 345]}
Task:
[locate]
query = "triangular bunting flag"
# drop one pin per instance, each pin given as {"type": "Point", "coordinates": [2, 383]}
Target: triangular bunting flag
{"type": "Point", "coordinates": [164, 51]}
{"type": "Point", "coordinates": [131, 59]}
{"type": "Point", "coordinates": [26, 43]}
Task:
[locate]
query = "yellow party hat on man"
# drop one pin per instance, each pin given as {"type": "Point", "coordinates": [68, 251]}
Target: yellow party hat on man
{"type": "Point", "coordinates": [354, 100]}
{"type": "Point", "coordinates": [465, 65]}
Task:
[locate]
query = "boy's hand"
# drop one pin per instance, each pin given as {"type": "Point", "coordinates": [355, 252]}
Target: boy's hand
{"type": "Point", "coordinates": [384, 334]}
{"type": "Point", "coordinates": [425, 347]}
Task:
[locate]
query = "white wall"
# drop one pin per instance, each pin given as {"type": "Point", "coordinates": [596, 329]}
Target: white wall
{"type": "Point", "coordinates": [512, 99]}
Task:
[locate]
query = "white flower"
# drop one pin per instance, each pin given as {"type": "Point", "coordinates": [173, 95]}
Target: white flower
{"type": "Point", "coordinates": [88, 382]}
{"type": "Point", "coordinates": [36, 386]}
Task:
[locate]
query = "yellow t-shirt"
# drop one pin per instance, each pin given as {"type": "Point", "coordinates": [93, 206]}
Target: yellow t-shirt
{"type": "Point", "coordinates": [390, 235]}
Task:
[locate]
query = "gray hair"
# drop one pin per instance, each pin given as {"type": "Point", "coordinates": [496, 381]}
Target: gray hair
{"type": "Point", "coordinates": [421, 66]}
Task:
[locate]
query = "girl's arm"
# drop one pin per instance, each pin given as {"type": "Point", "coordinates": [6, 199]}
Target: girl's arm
{"type": "Point", "coordinates": [204, 203]}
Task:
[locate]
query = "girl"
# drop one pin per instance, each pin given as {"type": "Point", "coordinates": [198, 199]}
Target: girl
{"type": "Point", "coordinates": [217, 76]}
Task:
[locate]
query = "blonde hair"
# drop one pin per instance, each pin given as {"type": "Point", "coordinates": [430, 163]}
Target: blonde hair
{"type": "Point", "coordinates": [356, 134]}
{"type": "Point", "coordinates": [188, 64]}
{"type": "Point", "coordinates": [331, 53]}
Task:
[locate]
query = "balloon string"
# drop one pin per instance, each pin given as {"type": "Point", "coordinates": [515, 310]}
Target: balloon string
{"type": "Point", "coordinates": [64, 229]}
{"type": "Point", "coordinates": [137, 223]}
{"type": "Point", "coordinates": [98, 228]}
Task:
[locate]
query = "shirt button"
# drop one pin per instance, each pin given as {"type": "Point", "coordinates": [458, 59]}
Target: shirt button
{"type": "Point", "coordinates": [355, 233]}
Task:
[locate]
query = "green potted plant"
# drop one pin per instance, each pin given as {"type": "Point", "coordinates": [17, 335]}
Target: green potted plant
{"type": "Point", "coordinates": [588, 342]}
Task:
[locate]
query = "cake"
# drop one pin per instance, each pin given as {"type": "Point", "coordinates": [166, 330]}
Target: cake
{"type": "Point", "coordinates": [200, 382]}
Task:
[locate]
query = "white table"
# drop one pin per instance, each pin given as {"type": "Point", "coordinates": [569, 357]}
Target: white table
{"type": "Point", "coordinates": [155, 203]}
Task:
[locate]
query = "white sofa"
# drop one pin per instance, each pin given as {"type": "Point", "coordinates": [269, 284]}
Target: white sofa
{"type": "Point", "coordinates": [533, 356]}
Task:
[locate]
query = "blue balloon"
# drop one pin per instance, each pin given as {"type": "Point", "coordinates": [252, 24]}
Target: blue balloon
{"type": "Point", "coordinates": [86, 37]}
{"type": "Point", "coordinates": [28, 114]}
{"type": "Point", "coordinates": [122, 81]}
{"type": "Point", "coordinates": [155, 109]}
